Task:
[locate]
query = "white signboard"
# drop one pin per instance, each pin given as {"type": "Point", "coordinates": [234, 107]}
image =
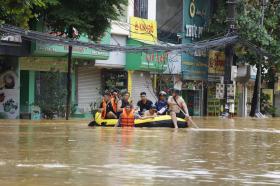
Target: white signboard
{"type": "Point", "coordinates": [9, 89]}
{"type": "Point", "coordinates": [220, 91]}
{"type": "Point", "coordinates": [174, 63]}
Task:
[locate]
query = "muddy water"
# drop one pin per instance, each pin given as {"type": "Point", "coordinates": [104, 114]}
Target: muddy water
{"type": "Point", "coordinates": [221, 152]}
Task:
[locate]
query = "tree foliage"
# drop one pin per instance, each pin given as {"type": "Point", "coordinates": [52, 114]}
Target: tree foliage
{"type": "Point", "coordinates": [263, 33]}
{"type": "Point", "coordinates": [19, 12]}
{"type": "Point", "coordinates": [248, 25]}
{"type": "Point", "coordinates": [90, 17]}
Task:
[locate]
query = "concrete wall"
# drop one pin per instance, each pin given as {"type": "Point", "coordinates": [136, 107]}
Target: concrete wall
{"type": "Point", "coordinates": [116, 59]}
{"type": "Point", "coordinates": [152, 9]}
{"type": "Point", "coordinates": [167, 9]}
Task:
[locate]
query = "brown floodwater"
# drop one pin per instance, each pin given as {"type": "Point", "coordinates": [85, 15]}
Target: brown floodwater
{"type": "Point", "coordinates": [220, 152]}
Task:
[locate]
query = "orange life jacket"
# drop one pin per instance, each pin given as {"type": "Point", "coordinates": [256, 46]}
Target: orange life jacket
{"type": "Point", "coordinates": [114, 104]}
{"type": "Point", "coordinates": [104, 109]}
{"type": "Point", "coordinates": [127, 119]}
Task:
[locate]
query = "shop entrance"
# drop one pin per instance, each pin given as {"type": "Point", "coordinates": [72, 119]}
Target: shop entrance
{"type": "Point", "coordinates": [193, 100]}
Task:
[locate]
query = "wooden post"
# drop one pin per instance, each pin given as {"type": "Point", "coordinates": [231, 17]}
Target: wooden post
{"type": "Point", "coordinates": [69, 82]}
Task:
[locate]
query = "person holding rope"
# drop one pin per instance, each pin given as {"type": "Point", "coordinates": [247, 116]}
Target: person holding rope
{"type": "Point", "coordinates": [177, 107]}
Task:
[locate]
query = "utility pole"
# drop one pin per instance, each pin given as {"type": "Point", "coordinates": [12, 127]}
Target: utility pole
{"type": "Point", "coordinates": [229, 52]}
{"type": "Point", "coordinates": [258, 110]}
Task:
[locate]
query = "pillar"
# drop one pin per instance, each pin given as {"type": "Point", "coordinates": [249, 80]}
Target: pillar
{"type": "Point", "coordinates": [31, 87]}
{"type": "Point", "coordinates": [129, 81]}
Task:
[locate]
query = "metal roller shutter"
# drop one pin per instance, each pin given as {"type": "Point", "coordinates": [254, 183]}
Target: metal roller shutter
{"type": "Point", "coordinates": [89, 85]}
{"type": "Point", "coordinates": [142, 84]}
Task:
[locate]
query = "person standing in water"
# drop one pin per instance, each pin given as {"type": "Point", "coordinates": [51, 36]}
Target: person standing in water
{"type": "Point", "coordinates": [123, 103]}
{"type": "Point", "coordinates": [177, 107]}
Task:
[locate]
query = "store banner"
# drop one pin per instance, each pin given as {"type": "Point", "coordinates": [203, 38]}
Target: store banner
{"type": "Point", "coordinates": [144, 30]}
{"type": "Point", "coordinates": [194, 68]}
{"type": "Point", "coordinates": [9, 89]}
{"type": "Point", "coordinates": [216, 63]}
{"type": "Point", "coordinates": [43, 64]}
{"type": "Point", "coordinates": [43, 49]}
{"type": "Point", "coordinates": [146, 61]}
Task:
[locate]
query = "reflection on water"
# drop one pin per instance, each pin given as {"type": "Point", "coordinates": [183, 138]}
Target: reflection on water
{"type": "Point", "coordinates": [220, 152]}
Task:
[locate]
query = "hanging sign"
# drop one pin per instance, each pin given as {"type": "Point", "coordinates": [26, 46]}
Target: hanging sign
{"type": "Point", "coordinates": [144, 30]}
{"type": "Point", "coordinates": [216, 63]}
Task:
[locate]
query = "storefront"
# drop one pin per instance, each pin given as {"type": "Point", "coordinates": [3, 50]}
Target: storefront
{"type": "Point", "coordinates": [43, 77]}
{"type": "Point", "coordinates": [192, 94]}
{"type": "Point", "coordinates": [11, 48]}
{"type": "Point", "coordinates": [216, 62]}
{"type": "Point", "coordinates": [246, 76]}
{"type": "Point", "coordinates": [195, 63]}
{"type": "Point", "coordinates": [143, 69]}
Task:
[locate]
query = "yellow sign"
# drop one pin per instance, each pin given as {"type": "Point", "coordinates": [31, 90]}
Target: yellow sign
{"type": "Point", "coordinates": [216, 62]}
{"type": "Point", "coordinates": [143, 29]}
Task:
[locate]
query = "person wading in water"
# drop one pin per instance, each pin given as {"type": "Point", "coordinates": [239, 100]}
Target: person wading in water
{"type": "Point", "coordinates": [123, 103]}
{"type": "Point", "coordinates": [177, 107]}
{"type": "Point", "coordinates": [127, 117]}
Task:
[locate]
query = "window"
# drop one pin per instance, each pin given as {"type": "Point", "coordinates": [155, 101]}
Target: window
{"type": "Point", "coordinates": [141, 8]}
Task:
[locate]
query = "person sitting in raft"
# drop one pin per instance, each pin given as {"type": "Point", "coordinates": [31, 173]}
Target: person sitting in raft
{"type": "Point", "coordinates": [177, 107]}
{"type": "Point", "coordinates": [127, 118]}
{"type": "Point", "coordinates": [144, 104]}
{"type": "Point", "coordinates": [114, 99]}
{"type": "Point", "coordinates": [106, 107]}
{"type": "Point", "coordinates": [123, 103]}
{"type": "Point", "coordinates": [161, 104]}
{"type": "Point", "coordinates": [151, 113]}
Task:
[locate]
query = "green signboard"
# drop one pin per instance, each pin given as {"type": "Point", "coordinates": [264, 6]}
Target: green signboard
{"type": "Point", "coordinates": [52, 50]}
{"type": "Point", "coordinates": [145, 61]}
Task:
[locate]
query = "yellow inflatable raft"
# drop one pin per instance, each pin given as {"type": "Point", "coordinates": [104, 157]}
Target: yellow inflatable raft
{"type": "Point", "coordinates": [159, 121]}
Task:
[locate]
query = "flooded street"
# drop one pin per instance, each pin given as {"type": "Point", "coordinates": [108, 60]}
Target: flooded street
{"type": "Point", "coordinates": [220, 152]}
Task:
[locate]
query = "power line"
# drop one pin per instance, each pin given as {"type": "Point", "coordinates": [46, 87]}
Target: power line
{"type": "Point", "coordinates": [46, 38]}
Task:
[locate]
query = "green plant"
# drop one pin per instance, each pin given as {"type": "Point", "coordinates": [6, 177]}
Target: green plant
{"type": "Point", "coordinates": [266, 106]}
{"type": "Point", "coordinates": [52, 94]}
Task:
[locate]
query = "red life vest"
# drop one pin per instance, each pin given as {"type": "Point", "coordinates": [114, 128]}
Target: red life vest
{"type": "Point", "coordinates": [127, 119]}
{"type": "Point", "coordinates": [104, 109]}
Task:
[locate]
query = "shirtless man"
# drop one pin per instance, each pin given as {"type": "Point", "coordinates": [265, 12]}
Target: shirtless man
{"type": "Point", "coordinates": [177, 107]}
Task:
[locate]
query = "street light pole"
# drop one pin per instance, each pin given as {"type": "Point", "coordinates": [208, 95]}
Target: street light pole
{"type": "Point", "coordinates": [229, 52]}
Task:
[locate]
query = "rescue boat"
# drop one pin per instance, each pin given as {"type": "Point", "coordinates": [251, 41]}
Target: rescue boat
{"type": "Point", "coordinates": [159, 121]}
